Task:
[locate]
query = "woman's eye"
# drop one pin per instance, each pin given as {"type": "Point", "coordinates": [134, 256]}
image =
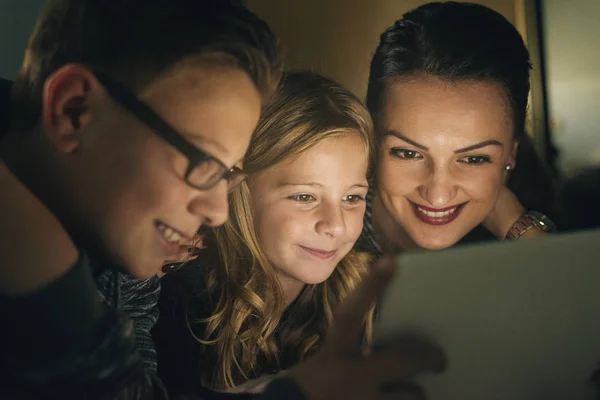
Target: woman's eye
{"type": "Point", "coordinates": [475, 160]}
{"type": "Point", "coordinates": [406, 154]}
{"type": "Point", "coordinates": [302, 198]}
{"type": "Point", "coordinates": [353, 199]}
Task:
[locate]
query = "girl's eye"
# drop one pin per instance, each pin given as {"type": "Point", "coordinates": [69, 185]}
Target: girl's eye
{"type": "Point", "coordinates": [406, 154]}
{"type": "Point", "coordinates": [475, 160]}
{"type": "Point", "coordinates": [353, 198]}
{"type": "Point", "coordinates": [302, 198]}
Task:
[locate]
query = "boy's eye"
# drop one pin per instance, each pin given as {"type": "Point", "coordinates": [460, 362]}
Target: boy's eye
{"type": "Point", "coordinates": [475, 160]}
{"type": "Point", "coordinates": [302, 198]}
{"type": "Point", "coordinates": [406, 154]}
{"type": "Point", "coordinates": [353, 198]}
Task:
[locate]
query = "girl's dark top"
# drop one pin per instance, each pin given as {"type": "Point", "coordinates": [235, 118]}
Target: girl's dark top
{"type": "Point", "coordinates": [179, 353]}
{"type": "Point", "coordinates": [180, 356]}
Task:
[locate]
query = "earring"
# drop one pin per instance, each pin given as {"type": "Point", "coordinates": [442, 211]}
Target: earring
{"type": "Point", "coordinates": [508, 167]}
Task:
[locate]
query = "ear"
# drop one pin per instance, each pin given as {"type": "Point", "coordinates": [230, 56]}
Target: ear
{"type": "Point", "coordinates": [512, 159]}
{"type": "Point", "coordinates": [66, 105]}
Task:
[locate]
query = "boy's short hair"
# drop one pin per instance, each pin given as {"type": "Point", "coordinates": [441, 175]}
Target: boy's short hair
{"type": "Point", "coordinates": [137, 40]}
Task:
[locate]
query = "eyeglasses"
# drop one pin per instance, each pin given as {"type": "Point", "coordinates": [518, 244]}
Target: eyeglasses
{"type": "Point", "coordinates": [204, 171]}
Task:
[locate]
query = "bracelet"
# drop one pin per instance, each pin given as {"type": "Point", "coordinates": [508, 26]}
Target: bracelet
{"type": "Point", "coordinates": [527, 221]}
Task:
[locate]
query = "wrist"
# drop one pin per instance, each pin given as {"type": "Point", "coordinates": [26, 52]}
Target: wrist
{"type": "Point", "coordinates": [500, 221]}
{"type": "Point", "coordinates": [531, 224]}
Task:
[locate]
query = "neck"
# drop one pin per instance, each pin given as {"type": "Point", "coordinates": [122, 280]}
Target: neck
{"type": "Point", "coordinates": [290, 288]}
{"type": "Point", "coordinates": [390, 235]}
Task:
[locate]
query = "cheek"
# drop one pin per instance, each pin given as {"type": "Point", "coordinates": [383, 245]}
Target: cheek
{"type": "Point", "coordinates": [277, 226]}
{"type": "Point", "coordinates": [149, 187]}
{"type": "Point", "coordinates": [483, 187]}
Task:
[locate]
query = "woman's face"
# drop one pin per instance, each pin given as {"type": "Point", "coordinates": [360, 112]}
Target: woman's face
{"type": "Point", "coordinates": [443, 156]}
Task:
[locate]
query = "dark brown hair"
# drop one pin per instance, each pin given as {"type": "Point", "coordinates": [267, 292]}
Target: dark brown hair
{"type": "Point", "coordinates": [458, 42]}
{"type": "Point", "coordinates": [137, 40]}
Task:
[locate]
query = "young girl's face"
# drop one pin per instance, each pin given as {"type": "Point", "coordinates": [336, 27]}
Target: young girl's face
{"type": "Point", "coordinates": [308, 210]}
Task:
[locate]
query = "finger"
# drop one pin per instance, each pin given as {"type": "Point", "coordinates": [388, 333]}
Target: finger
{"type": "Point", "coordinates": [408, 356]}
{"type": "Point", "coordinates": [346, 332]}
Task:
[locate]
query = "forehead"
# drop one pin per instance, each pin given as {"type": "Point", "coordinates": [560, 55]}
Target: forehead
{"type": "Point", "coordinates": [335, 159]}
{"type": "Point", "coordinates": [426, 105]}
{"type": "Point", "coordinates": [216, 108]}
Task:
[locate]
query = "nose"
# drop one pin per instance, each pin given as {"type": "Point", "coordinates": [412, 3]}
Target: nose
{"type": "Point", "coordinates": [439, 188]}
{"type": "Point", "coordinates": [212, 205]}
{"type": "Point", "coordinates": [331, 220]}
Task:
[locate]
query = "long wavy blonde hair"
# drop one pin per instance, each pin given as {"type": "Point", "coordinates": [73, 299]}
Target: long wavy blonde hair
{"type": "Point", "coordinates": [239, 338]}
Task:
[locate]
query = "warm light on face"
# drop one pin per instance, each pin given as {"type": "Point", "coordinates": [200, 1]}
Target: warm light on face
{"type": "Point", "coordinates": [308, 210]}
{"type": "Point", "coordinates": [442, 157]}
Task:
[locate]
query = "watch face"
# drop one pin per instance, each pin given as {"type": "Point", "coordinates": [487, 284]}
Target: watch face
{"type": "Point", "coordinates": [545, 223]}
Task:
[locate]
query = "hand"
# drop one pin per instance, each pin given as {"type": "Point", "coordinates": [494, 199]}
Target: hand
{"type": "Point", "coordinates": [340, 370]}
{"type": "Point", "coordinates": [507, 210]}
{"type": "Point", "coordinates": [35, 248]}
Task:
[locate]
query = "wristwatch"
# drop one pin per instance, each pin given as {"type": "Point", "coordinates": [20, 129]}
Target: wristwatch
{"type": "Point", "coordinates": [530, 220]}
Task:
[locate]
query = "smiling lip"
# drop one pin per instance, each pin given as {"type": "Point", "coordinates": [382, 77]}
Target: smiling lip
{"type": "Point", "coordinates": [437, 216]}
{"type": "Point", "coordinates": [321, 254]}
{"type": "Point", "coordinates": [172, 246]}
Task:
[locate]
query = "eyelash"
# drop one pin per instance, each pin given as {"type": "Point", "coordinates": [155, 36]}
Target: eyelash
{"type": "Point", "coordinates": [306, 198]}
{"type": "Point", "coordinates": [405, 154]}
{"type": "Point", "coordinates": [358, 198]}
{"type": "Point", "coordinates": [302, 197]}
{"type": "Point", "coordinates": [479, 160]}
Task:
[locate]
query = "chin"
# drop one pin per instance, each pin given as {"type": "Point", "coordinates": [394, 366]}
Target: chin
{"type": "Point", "coordinates": [441, 243]}
{"type": "Point", "coordinates": [315, 279]}
{"type": "Point", "coordinates": [143, 269]}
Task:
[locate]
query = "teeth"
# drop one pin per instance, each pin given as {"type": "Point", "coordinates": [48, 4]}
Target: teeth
{"type": "Point", "coordinates": [169, 234]}
{"type": "Point", "coordinates": [437, 214]}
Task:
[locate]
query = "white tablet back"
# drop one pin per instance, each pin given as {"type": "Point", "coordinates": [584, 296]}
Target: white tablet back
{"type": "Point", "coordinates": [517, 320]}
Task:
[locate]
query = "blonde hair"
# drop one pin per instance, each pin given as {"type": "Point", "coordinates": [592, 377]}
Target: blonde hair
{"type": "Point", "coordinates": [238, 337]}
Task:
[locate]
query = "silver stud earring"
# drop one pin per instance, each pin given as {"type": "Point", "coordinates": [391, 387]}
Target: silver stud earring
{"type": "Point", "coordinates": [508, 167]}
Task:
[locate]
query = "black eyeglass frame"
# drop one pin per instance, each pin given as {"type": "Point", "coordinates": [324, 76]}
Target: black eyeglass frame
{"type": "Point", "coordinates": [128, 100]}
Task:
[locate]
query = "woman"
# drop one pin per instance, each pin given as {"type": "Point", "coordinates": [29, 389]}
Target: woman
{"type": "Point", "coordinates": [263, 297]}
{"type": "Point", "coordinates": [448, 91]}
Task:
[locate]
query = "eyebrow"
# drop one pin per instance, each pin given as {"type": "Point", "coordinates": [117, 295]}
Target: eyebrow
{"type": "Point", "coordinates": [407, 140]}
{"type": "Point", "coordinates": [284, 184]}
{"type": "Point", "coordinates": [481, 145]}
{"type": "Point", "coordinates": [485, 143]}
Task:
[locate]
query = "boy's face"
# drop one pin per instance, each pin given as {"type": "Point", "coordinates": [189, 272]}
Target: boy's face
{"type": "Point", "coordinates": [127, 184]}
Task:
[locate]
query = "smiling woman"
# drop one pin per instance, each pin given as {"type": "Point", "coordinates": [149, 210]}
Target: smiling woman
{"type": "Point", "coordinates": [449, 162]}
{"type": "Point", "coordinates": [448, 90]}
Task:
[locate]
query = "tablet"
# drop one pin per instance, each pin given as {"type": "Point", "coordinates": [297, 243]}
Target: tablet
{"type": "Point", "coordinates": [518, 320]}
